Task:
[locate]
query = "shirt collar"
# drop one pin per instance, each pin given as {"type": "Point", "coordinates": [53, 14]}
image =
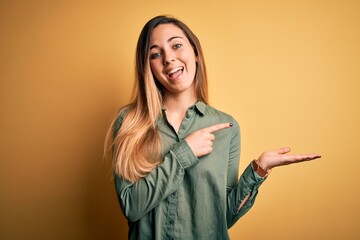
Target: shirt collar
{"type": "Point", "coordinates": [201, 107]}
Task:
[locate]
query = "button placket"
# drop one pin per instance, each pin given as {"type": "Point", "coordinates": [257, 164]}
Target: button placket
{"type": "Point", "coordinates": [185, 123]}
{"type": "Point", "coordinates": [172, 209]}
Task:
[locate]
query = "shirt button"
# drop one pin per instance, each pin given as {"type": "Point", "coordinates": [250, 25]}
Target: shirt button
{"type": "Point", "coordinates": [174, 194]}
{"type": "Point", "coordinates": [188, 115]}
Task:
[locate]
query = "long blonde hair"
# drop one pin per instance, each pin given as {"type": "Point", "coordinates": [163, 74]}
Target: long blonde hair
{"type": "Point", "coordinates": [136, 146]}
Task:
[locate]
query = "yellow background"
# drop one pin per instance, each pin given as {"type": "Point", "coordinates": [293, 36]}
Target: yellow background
{"type": "Point", "coordinates": [288, 71]}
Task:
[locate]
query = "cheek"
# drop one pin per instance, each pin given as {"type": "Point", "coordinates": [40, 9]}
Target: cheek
{"type": "Point", "coordinates": [156, 71]}
{"type": "Point", "coordinates": [155, 68]}
{"type": "Point", "coordinates": [192, 59]}
{"type": "Point", "coordinates": [192, 65]}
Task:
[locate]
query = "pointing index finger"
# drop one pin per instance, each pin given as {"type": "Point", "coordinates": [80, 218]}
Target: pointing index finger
{"type": "Point", "coordinates": [218, 127]}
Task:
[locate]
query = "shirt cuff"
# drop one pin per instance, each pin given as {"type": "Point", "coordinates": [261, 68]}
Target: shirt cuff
{"type": "Point", "coordinates": [184, 155]}
{"type": "Point", "coordinates": [253, 179]}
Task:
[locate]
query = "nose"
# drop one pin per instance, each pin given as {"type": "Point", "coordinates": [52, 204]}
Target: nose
{"type": "Point", "coordinates": [168, 58]}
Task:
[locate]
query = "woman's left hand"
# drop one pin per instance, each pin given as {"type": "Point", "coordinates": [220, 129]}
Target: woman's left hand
{"type": "Point", "coordinates": [276, 158]}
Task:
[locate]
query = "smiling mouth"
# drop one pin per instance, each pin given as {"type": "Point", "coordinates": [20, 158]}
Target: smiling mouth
{"type": "Point", "coordinates": [176, 72]}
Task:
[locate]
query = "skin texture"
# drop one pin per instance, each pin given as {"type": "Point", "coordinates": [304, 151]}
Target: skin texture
{"type": "Point", "coordinates": [171, 50]}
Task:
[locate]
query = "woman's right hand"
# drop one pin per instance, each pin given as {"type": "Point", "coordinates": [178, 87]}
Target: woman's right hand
{"type": "Point", "coordinates": [201, 141]}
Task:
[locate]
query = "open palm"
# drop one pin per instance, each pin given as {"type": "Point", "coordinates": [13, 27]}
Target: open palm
{"type": "Point", "coordinates": [279, 157]}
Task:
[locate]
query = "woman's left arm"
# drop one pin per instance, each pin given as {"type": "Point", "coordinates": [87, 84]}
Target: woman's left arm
{"type": "Point", "coordinates": [241, 197]}
{"type": "Point", "coordinates": [241, 193]}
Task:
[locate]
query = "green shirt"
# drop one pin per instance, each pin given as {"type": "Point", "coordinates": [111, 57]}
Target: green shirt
{"type": "Point", "coordinates": [187, 197]}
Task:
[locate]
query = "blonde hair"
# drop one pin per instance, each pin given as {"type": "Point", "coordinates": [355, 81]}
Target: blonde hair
{"type": "Point", "coordinates": [136, 146]}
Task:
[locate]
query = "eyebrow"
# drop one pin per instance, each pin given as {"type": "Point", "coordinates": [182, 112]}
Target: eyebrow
{"type": "Point", "coordinates": [169, 40]}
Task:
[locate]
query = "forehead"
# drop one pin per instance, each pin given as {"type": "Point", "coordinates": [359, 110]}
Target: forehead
{"type": "Point", "coordinates": [164, 32]}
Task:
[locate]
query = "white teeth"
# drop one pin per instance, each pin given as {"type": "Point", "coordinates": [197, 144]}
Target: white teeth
{"type": "Point", "coordinates": [175, 70]}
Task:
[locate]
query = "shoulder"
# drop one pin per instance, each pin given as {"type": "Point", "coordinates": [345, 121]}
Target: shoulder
{"type": "Point", "coordinates": [213, 112]}
{"type": "Point", "coordinates": [220, 116]}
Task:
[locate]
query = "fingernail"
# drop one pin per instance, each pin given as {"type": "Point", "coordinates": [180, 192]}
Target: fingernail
{"type": "Point", "coordinates": [230, 124]}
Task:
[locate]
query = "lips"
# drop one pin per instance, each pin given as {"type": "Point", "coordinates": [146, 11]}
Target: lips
{"type": "Point", "coordinates": [175, 72]}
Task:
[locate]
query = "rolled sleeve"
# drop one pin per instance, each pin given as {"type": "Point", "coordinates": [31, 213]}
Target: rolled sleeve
{"type": "Point", "coordinates": [248, 185]}
{"type": "Point", "coordinates": [183, 154]}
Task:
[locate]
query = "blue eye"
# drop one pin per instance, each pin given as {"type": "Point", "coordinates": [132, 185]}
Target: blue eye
{"type": "Point", "coordinates": [176, 46]}
{"type": "Point", "coordinates": [155, 55]}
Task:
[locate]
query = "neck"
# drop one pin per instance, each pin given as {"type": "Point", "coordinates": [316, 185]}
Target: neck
{"type": "Point", "coordinates": [178, 103]}
{"type": "Point", "coordinates": [177, 107]}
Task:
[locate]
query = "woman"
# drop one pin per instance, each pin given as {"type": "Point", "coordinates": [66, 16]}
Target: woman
{"type": "Point", "coordinates": [175, 157]}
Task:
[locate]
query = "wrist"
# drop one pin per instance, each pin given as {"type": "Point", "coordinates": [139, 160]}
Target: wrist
{"type": "Point", "coordinates": [260, 170]}
{"type": "Point", "coordinates": [262, 165]}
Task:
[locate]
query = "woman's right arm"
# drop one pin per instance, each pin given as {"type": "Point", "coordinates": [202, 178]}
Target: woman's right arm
{"type": "Point", "coordinates": [138, 198]}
